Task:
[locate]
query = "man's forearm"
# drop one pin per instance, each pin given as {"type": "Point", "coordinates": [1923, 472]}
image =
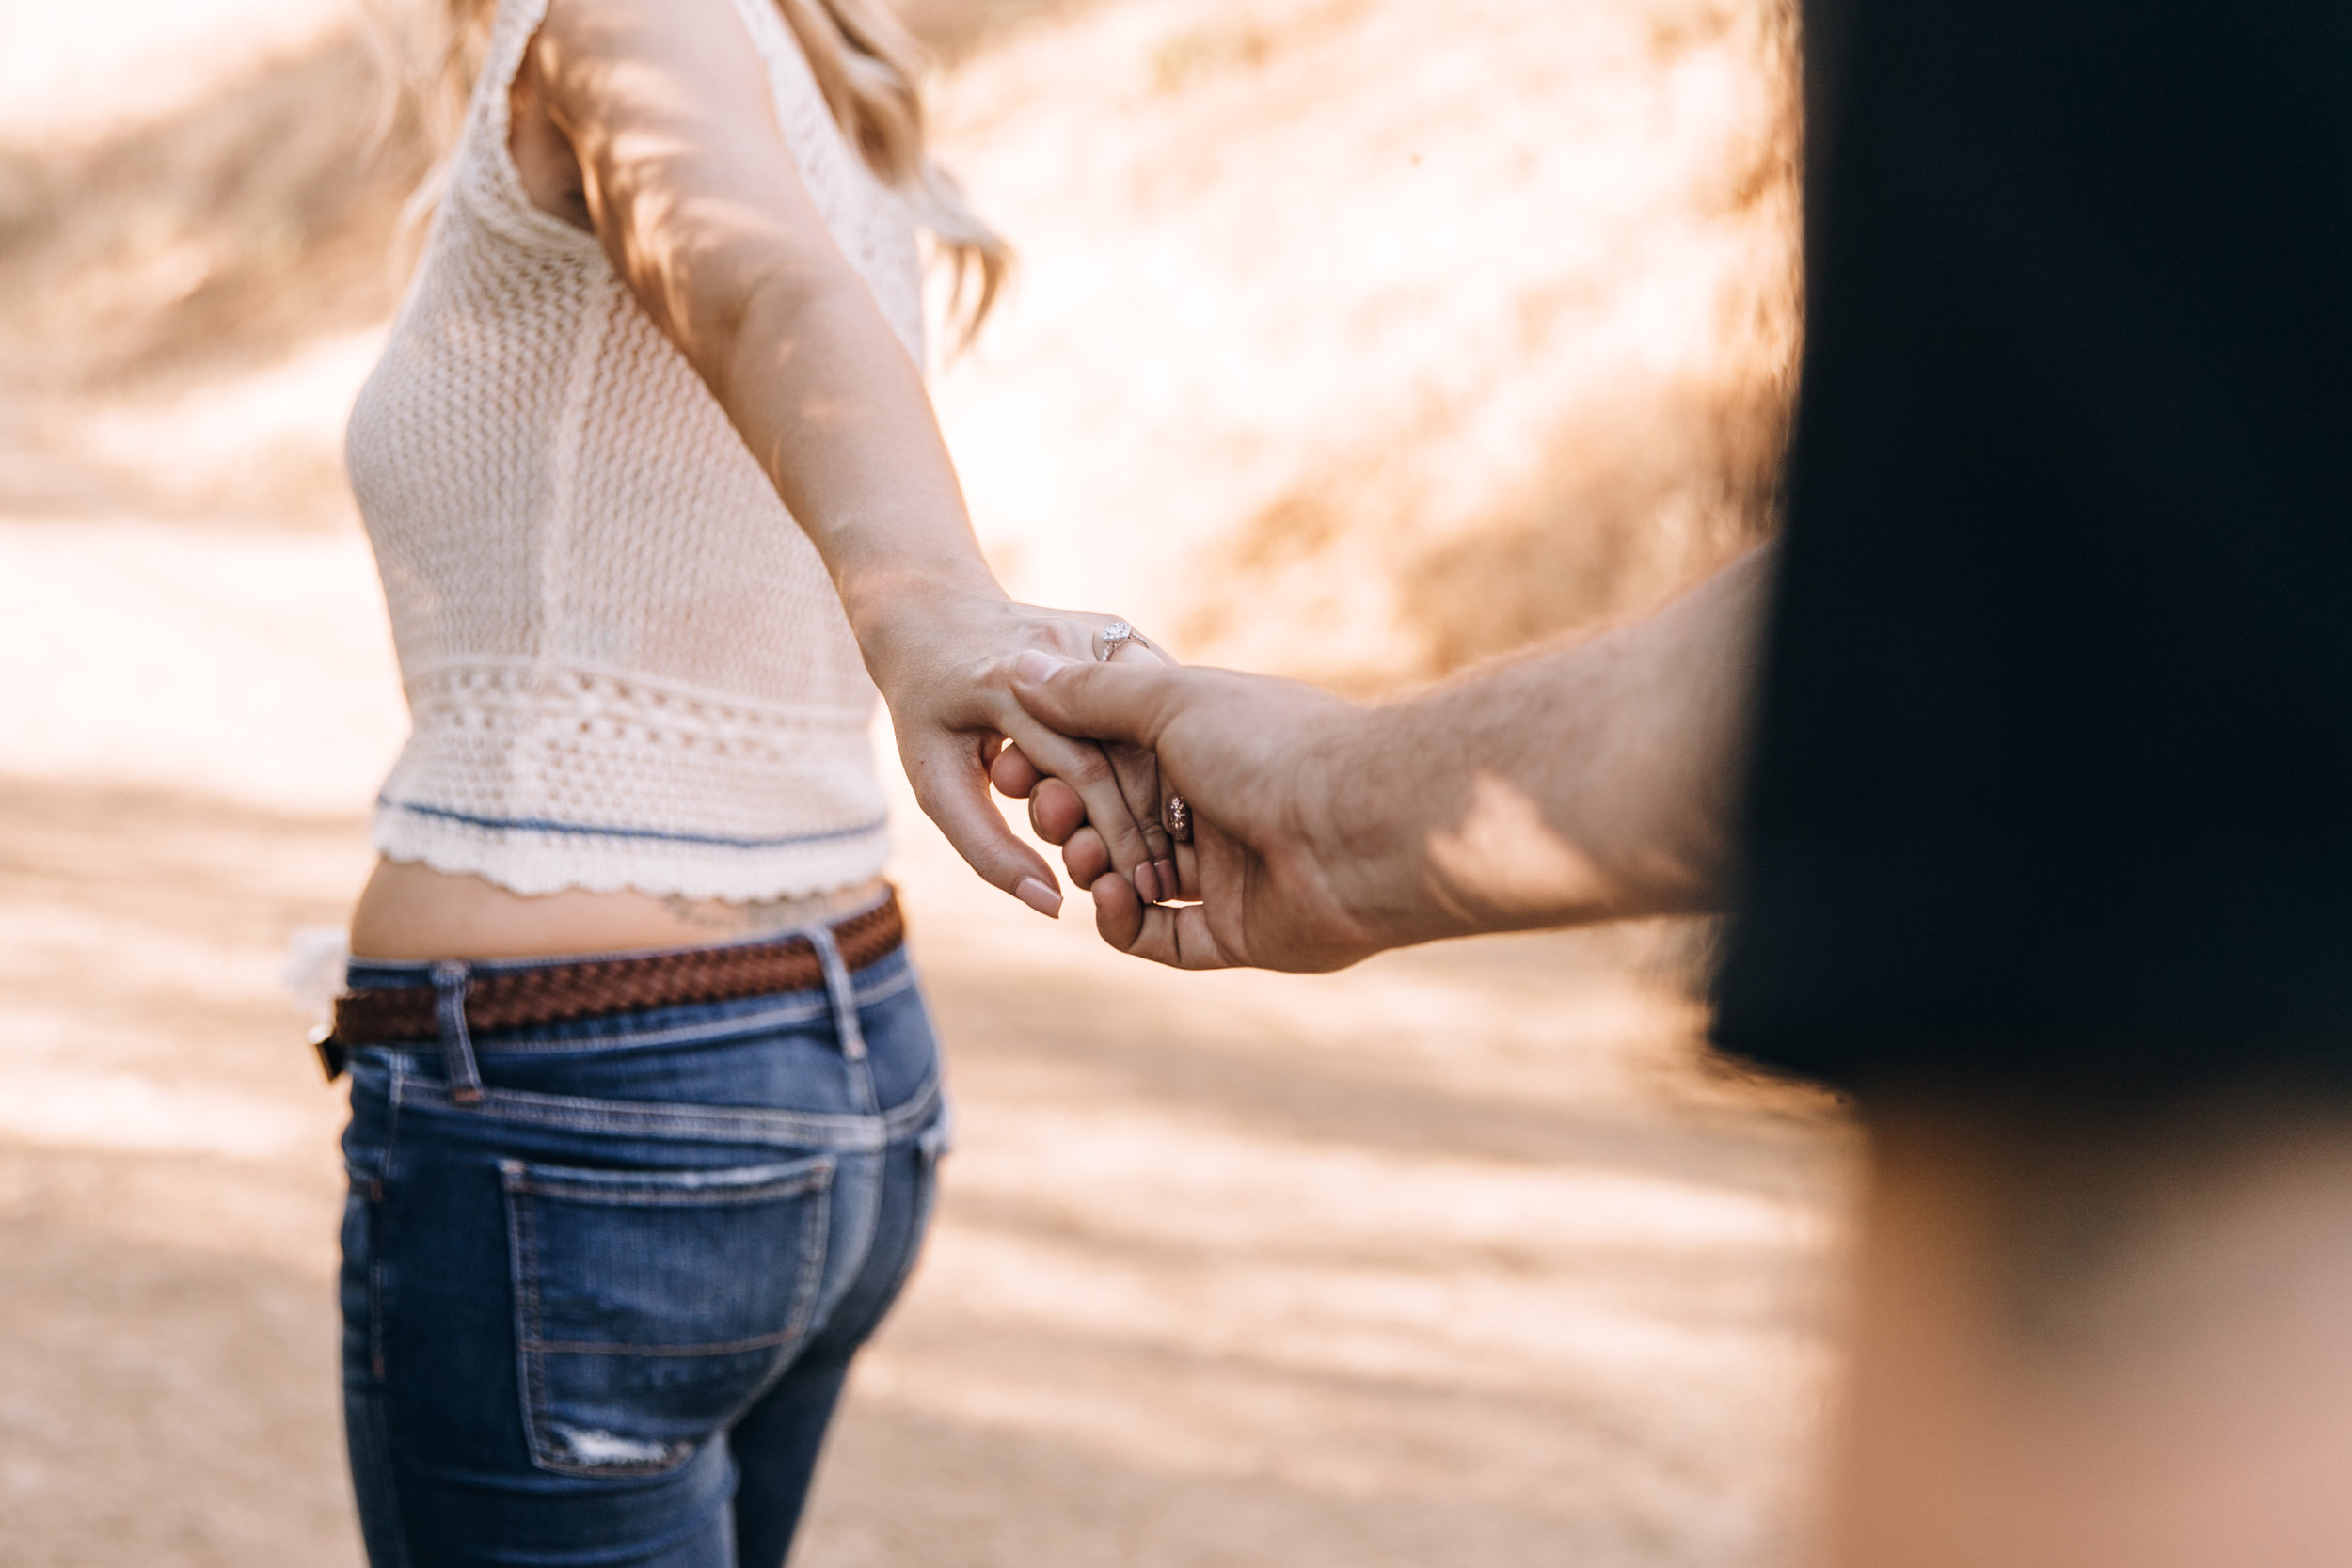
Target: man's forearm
{"type": "Point", "coordinates": [1589, 781]}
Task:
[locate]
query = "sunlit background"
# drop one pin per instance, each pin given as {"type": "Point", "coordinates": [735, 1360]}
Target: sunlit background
{"type": "Point", "coordinates": [1352, 339]}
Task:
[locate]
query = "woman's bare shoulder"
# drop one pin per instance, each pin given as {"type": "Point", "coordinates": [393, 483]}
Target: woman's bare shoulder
{"type": "Point", "coordinates": [601, 57]}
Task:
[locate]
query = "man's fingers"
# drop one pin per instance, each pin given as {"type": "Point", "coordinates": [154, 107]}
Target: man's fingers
{"type": "Point", "coordinates": [1082, 766]}
{"type": "Point", "coordinates": [1187, 866]}
{"type": "Point", "coordinates": [1138, 841]}
{"type": "Point", "coordinates": [1139, 771]}
{"type": "Point", "coordinates": [953, 792]}
{"type": "Point", "coordinates": [1176, 936]}
{"type": "Point", "coordinates": [1108, 702]}
{"type": "Point", "coordinates": [1138, 774]}
{"type": "Point", "coordinates": [1057, 812]}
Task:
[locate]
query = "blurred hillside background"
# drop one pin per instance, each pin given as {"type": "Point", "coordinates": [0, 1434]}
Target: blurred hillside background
{"type": "Point", "coordinates": [1355, 337]}
{"type": "Point", "coordinates": [1352, 339]}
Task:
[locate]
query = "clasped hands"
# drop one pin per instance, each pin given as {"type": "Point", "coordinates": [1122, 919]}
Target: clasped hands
{"type": "Point", "coordinates": [1097, 734]}
{"type": "Point", "coordinates": [1595, 779]}
{"type": "Point", "coordinates": [1260, 881]}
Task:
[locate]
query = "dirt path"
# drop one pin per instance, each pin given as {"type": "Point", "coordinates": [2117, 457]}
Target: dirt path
{"type": "Point", "coordinates": [1454, 1258]}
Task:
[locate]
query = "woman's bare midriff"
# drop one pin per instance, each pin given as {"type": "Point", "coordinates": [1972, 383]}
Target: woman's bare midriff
{"type": "Point", "coordinates": [410, 912]}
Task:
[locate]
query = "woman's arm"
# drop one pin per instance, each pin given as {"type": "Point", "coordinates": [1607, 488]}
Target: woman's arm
{"type": "Point", "coordinates": [691, 189]}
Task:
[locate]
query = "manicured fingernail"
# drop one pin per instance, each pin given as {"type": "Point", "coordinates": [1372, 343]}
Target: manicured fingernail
{"type": "Point", "coordinates": [1147, 883]}
{"type": "Point", "coordinates": [1043, 899]}
{"type": "Point", "coordinates": [1035, 665]}
{"type": "Point", "coordinates": [1169, 886]}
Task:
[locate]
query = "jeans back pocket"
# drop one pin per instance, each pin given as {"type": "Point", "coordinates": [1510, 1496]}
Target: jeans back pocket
{"type": "Point", "coordinates": [652, 1306]}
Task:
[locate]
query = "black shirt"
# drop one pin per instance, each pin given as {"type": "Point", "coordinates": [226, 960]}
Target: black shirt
{"type": "Point", "coordinates": [2054, 777]}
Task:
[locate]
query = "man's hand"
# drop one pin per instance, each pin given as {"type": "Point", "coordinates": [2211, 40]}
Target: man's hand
{"type": "Point", "coordinates": [1591, 780]}
{"type": "Point", "coordinates": [1261, 763]}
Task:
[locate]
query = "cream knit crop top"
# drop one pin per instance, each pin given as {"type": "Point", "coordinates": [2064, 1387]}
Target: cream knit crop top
{"type": "Point", "coordinates": [625, 663]}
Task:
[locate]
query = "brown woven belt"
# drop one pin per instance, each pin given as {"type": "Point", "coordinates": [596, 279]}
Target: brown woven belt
{"type": "Point", "coordinates": [560, 992]}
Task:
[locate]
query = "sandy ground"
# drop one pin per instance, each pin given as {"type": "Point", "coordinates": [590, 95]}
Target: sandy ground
{"type": "Point", "coordinates": [1363, 314]}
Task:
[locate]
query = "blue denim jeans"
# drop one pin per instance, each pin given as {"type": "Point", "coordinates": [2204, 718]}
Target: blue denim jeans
{"type": "Point", "coordinates": [603, 1313]}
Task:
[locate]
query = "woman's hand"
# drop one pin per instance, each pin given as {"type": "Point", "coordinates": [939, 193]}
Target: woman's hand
{"type": "Point", "coordinates": [945, 662]}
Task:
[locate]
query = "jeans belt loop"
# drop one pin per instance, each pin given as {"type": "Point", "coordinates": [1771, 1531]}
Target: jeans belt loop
{"type": "Point", "coordinates": [842, 993]}
{"type": "Point", "coordinates": [450, 977]}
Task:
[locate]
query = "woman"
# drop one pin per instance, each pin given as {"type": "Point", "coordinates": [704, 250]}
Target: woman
{"type": "Point", "coordinates": [644, 1102]}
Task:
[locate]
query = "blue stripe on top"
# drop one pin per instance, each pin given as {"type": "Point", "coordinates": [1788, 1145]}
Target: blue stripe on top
{"type": "Point", "coordinates": [544, 825]}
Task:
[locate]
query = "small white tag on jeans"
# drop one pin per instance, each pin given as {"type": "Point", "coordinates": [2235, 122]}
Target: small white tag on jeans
{"type": "Point", "coordinates": [312, 974]}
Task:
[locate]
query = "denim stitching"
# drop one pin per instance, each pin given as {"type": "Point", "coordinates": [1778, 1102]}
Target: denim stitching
{"type": "Point", "coordinates": [379, 1391]}
{"type": "Point", "coordinates": [842, 993]}
{"type": "Point", "coordinates": [824, 1130]}
{"type": "Point", "coordinates": [450, 979]}
{"type": "Point", "coordinates": [684, 1034]}
{"type": "Point", "coordinates": [805, 1294]}
{"type": "Point", "coordinates": [932, 1146]}
{"type": "Point", "coordinates": [910, 1113]}
{"type": "Point", "coordinates": [731, 1347]}
{"type": "Point", "coordinates": [619, 1193]}
{"type": "Point", "coordinates": [380, 1192]}
{"type": "Point", "coordinates": [523, 1259]}
{"type": "Point", "coordinates": [532, 1349]}
{"type": "Point", "coordinates": [387, 1476]}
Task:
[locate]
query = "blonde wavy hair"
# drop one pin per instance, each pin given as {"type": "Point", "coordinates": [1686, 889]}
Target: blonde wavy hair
{"type": "Point", "coordinates": [867, 64]}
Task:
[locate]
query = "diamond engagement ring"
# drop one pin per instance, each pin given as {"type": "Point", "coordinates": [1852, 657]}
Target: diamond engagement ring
{"type": "Point", "coordinates": [1179, 814]}
{"type": "Point", "coordinates": [1115, 637]}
